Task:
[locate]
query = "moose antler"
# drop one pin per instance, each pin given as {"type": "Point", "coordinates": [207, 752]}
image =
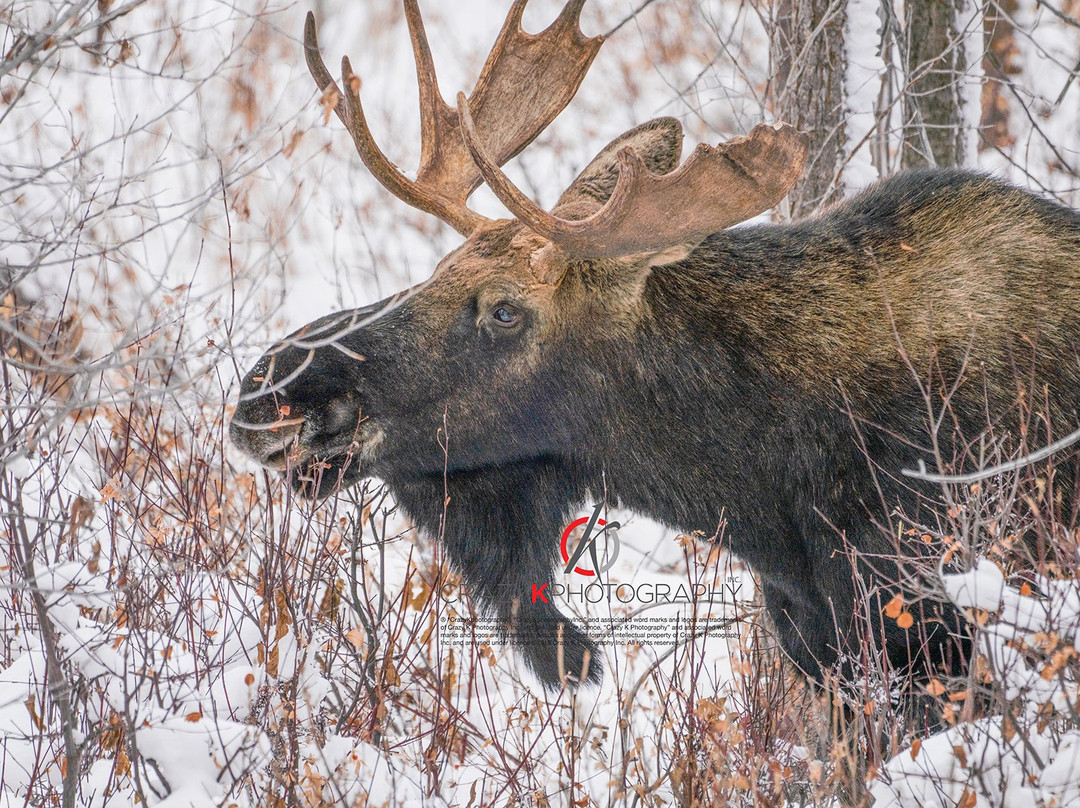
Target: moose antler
{"type": "Point", "coordinates": [526, 82]}
{"type": "Point", "coordinates": [718, 186]}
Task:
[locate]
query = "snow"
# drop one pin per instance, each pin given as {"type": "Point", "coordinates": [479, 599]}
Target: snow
{"type": "Point", "coordinates": [18, 465]}
{"type": "Point", "coordinates": [983, 587]}
{"type": "Point", "coordinates": [976, 759]}
{"type": "Point", "coordinates": [169, 607]}
{"type": "Point", "coordinates": [1051, 91]}
{"type": "Point", "coordinates": [865, 73]}
{"type": "Point", "coordinates": [969, 21]}
{"type": "Point", "coordinates": [1022, 760]}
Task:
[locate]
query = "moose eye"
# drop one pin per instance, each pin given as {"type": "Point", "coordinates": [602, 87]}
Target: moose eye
{"type": "Point", "coordinates": [505, 315]}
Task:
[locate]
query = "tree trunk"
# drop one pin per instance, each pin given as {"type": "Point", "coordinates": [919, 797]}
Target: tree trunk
{"type": "Point", "coordinates": [935, 63]}
{"type": "Point", "coordinates": [807, 43]}
{"type": "Point", "coordinates": [1000, 63]}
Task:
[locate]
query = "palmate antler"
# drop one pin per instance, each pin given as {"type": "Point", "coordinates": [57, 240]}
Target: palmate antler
{"type": "Point", "coordinates": [718, 186]}
{"type": "Point", "coordinates": [526, 82]}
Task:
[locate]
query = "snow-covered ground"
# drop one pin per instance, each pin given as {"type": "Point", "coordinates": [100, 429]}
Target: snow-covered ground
{"type": "Point", "coordinates": [173, 201]}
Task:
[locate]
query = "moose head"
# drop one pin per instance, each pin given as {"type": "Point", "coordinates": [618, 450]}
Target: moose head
{"type": "Point", "coordinates": [485, 351]}
{"type": "Point", "coordinates": [623, 346]}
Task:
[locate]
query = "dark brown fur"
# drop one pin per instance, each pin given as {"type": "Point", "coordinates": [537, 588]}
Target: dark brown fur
{"type": "Point", "coordinates": [772, 375]}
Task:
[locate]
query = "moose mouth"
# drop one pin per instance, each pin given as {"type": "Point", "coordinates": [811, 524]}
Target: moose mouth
{"type": "Point", "coordinates": [318, 476]}
{"type": "Point", "coordinates": [316, 468]}
{"type": "Point", "coordinates": [315, 464]}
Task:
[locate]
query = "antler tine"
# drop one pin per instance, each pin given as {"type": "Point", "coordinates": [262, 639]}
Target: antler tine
{"type": "Point", "coordinates": [351, 114]}
{"type": "Point", "coordinates": [516, 201]}
{"type": "Point", "coordinates": [526, 82]}
{"type": "Point", "coordinates": [532, 76]}
{"type": "Point", "coordinates": [316, 66]}
{"type": "Point", "coordinates": [435, 115]}
{"type": "Point", "coordinates": [423, 196]}
{"type": "Point", "coordinates": [718, 186]}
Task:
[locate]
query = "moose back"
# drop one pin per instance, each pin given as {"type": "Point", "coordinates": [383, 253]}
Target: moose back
{"type": "Point", "coordinates": [628, 345]}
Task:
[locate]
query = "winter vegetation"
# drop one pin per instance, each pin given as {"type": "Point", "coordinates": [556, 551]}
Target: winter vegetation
{"type": "Point", "coordinates": [177, 629]}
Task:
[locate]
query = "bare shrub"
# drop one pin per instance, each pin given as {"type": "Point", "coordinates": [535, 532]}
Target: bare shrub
{"type": "Point", "coordinates": [176, 625]}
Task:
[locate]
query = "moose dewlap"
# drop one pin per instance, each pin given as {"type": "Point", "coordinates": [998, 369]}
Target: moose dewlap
{"type": "Point", "coordinates": [627, 345]}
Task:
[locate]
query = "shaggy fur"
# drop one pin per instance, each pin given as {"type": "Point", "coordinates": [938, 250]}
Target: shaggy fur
{"type": "Point", "coordinates": [778, 377]}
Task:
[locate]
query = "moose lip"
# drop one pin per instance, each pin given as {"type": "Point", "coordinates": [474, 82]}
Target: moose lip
{"type": "Point", "coordinates": [319, 476]}
{"type": "Point", "coordinates": [316, 465]}
{"type": "Point", "coordinates": [278, 461]}
{"type": "Point", "coordinates": [297, 459]}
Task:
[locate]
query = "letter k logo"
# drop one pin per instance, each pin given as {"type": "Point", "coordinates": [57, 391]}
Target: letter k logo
{"type": "Point", "coordinates": [538, 592]}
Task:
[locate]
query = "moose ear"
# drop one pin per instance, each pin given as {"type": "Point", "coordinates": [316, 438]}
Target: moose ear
{"type": "Point", "coordinates": [658, 143]}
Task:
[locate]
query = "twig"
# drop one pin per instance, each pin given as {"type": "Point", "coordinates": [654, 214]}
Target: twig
{"type": "Point", "coordinates": [59, 687]}
{"type": "Point", "coordinates": [629, 17]}
{"type": "Point", "coordinates": [922, 474]}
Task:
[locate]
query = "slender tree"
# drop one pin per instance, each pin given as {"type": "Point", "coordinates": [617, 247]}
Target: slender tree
{"type": "Point", "coordinates": [934, 66]}
{"type": "Point", "coordinates": [1000, 63]}
{"type": "Point", "coordinates": [810, 62]}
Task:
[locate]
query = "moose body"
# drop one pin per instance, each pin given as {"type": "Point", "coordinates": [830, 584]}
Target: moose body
{"type": "Point", "coordinates": [773, 377]}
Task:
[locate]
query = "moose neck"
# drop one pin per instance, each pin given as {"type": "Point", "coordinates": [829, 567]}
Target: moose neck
{"type": "Point", "coordinates": [721, 394]}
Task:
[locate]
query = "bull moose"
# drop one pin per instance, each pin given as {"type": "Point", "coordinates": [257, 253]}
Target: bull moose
{"type": "Point", "coordinates": [632, 345]}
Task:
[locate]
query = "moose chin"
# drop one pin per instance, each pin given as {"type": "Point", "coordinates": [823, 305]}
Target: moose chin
{"type": "Point", "coordinates": [631, 344]}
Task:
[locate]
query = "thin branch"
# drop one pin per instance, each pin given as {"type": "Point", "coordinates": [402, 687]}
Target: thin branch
{"type": "Point", "coordinates": [922, 474]}
{"type": "Point", "coordinates": [629, 17]}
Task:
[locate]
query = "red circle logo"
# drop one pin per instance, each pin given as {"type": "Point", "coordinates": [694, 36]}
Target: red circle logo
{"type": "Point", "coordinates": [566, 538]}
